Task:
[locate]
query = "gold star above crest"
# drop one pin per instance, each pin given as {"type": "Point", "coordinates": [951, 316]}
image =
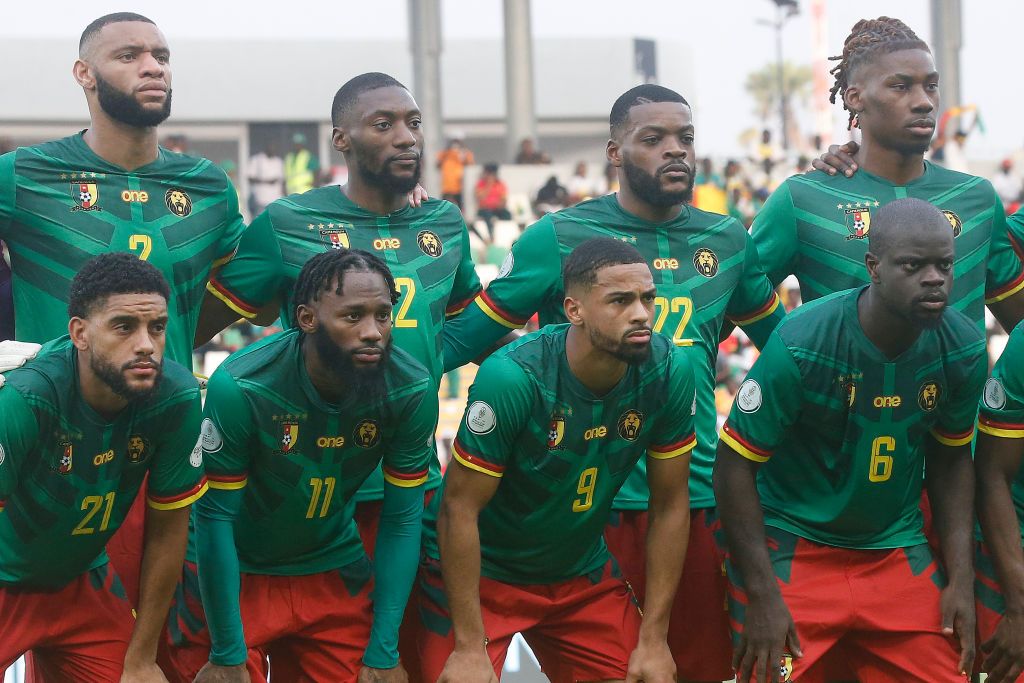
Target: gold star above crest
{"type": "Point", "coordinates": [321, 226]}
{"type": "Point", "coordinates": [876, 203]}
{"type": "Point", "coordinates": [839, 206]}
{"type": "Point", "coordinates": [63, 176]}
{"type": "Point", "coordinates": [849, 206]}
{"type": "Point", "coordinates": [330, 226]}
{"type": "Point", "coordinates": [310, 226]}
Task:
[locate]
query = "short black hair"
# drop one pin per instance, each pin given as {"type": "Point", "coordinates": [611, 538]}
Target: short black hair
{"type": "Point", "coordinates": [116, 272]}
{"type": "Point", "coordinates": [897, 217]}
{"type": "Point", "coordinates": [580, 269]}
{"type": "Point", "coordinates": [114, 18]}
{"type": "Point", "coordinates": [641, 94]}
{"type": "Point", "coordinates": [321, 271]}
{"type": "Point", "coordinates": [347, 94]}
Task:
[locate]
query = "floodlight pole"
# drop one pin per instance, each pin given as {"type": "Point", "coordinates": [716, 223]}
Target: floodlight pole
{"type": "Point", "coordinates": [425, 44]}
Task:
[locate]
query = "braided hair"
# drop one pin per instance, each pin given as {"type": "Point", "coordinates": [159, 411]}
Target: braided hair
{"type": "Point", "coordinates": [321, 271]}
{"type": "Point", "coordinates": [869, 37]}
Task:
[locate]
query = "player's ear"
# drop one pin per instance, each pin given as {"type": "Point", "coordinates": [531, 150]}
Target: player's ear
{"type": "Point", "coordinates": [83, 74]}
{"type": "Point", "coordinates": [614, 153]}
{"type": "Point", "coordinates": [853, 100]}
{"type": "Point", "coordinates": [79, 337]}
{"type": "Point", "coordinates": [305, 318]}
{"type": "Point", "coordinates": [872, 262]}
{"type": "Point", "coordinates": [340, 139]}
{"type": "Point", "coordinates": [572, 308]}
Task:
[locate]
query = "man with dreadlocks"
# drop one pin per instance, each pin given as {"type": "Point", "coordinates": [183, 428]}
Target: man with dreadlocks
{"type": "Point", "coordinates": [293, 425]}
{"type": "Point", "coordinates": [815, 226]}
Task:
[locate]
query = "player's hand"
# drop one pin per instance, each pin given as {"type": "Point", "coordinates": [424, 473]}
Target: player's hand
{"type": "Point", "coordinates": [838, 159]}
{"type": "Point", "coordinates": [14, 354]}
{"type": "Point", "coordinates": [142, 673]}
{"type": "Point", "coordinates": [768, 634]}
{"type": "Point", "coordinates": [958, 622]}
{"type": "Point", "coordinates": [214, 673]}
{"type": "Point", "coordinates": [368, 674]}
{"type": "Point", "coordinates": [1004, 651]}
{"type": "Point", "coordinates": [468, 667]}
{"type": "Point", "coordinates": [417, 196]}
{"type": "Point", "coordinates": [651, 662]}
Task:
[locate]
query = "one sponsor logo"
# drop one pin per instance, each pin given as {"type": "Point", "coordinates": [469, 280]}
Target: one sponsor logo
{"type": "Point", "coordinates": [335, 238]}
{"type": "Point", "coordinates": [994, 396]}
{"type": "Point", "coordinates": [507, 265]}
{"type": "Point", "coordinates": [382, 243]}
{"type": "Point", "coordinates": [136, 448]}
{"type": "Point", "coordinates": [928, 396]}
{"type": "Point", "coordinates": [556, 430]}
{"type": "Point", "coordinates": [137, 196]}
{"type": "Point", "coordinates": [330, 441]}
{"type": "Point", "coordinates": [212, 440]}
{"type": "Point", "coordinates": [666, 264]}
{"type": "Point", "coordinates": [748, 398]}
{"type": "Point", "coordinates": [429, 243]}
{"type": "Point", "coordinates": [887, 402]}
{"type": "Point", "coordinates": [195, 458]}
{"type": "Point", "coordinates": [954, 222]}
{"type": "Point", "coordinates": [289, 436]}
{"type": "Point", "coordinates": [629, 424]}
{"type": "Point", "coordinates": [86, 196]}
{"type": "Point", "coordinates": [366, 434]}
{"type": "Point", "coordinates": [66, 458]}
{"type": "Point", "coordinates": [595, 433]}
{"type": "Point", "coordinates": [706, 262]}
{"type": "Point", "coordinates": [178, 202]}
{"type": "Point", "coordinates": [103, 458]}
{"type": "Point", "coordinates": [480, 418]}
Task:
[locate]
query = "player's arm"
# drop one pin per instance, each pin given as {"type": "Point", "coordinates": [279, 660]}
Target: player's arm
{"type": "Point", "coordinates": [775, 235]}
{"type": "Point", "coordinates": [668, 471]}
{"type": "Point", "coordinates": [754, 305]}
{"type": "Point", "coordinates": [499, 405]}
{"type": "Point", "coordinates": [747, 441]}
{"type": "Point", "coordinates": [398, 536]}
{"type": "Point", "coordinates": [247, 285]}
{"type": "Point", "coordinates": [228, 444]}
{"type": "Point", "coordinates": [176, 480]}
{"type": "Point", "coordinates": [1004, 290]}
{"type": "Point", "coordinates": [534, 273]}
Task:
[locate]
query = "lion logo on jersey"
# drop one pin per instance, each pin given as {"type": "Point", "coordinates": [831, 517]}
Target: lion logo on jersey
{"type": "Point", "coordinates": [928, 396]}
{"type": "Point", "coordinates": [954, 222]}
{"type": "Point", "coordinates": [429, 243]}
{"type": "Point", "coordinates": [178, 202]}
{"type": "Point", "coordinates": [366, 434]}
{"type": "Point", "coordinates": [136, 448]}
{"type": "Point", "coordinates": [629, 424]}
{"type": "Point", "coordinates": [556, 430]}
{"type": "Point", "coordinates": [706, 262]}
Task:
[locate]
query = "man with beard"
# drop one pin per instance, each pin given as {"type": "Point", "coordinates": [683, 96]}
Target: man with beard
{"type": "Point", "coordinates": [555, 423]}
{"type": "Point", "coordinates": [707, 271]}
{"type": "Point", "coordinates": [852, 394]}
{"type": "Point", "coordinates": [293, 425]}
{"type": "Point", "coordinates": [80, 427]}
{"type": "Point", "coordinates": [377, 129]}
{"type": "Point", "coordinates": [111, 187]}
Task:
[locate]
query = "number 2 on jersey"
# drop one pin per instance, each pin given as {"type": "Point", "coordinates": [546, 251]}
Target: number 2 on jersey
{"type": "Point", "coordinates": [881, 463]}
{"type": "Point", "coordinates": [91, 505]}
{"type": "Point", "coordinates": [143, 242]}
{"type": "Point", "coordinates": [588, 479]}
{"type": "Point", "coordinates": [664, 306]}
{"type": "Point", "coordinates": [407, 292]}
{"type": "Point", "coordinates": [324, 486]}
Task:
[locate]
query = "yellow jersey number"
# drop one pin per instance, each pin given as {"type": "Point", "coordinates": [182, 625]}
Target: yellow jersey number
{"type": "Point", "coordinates": [407, 292]}
{"type": "Point", "coordinates": [141, 245]}
{"type": "Point", "coordinates": [320, 486]}
{"type": "Point", "coordinates": [881, 461]}
{"type": "Point", "coordinates": [585, 489]}
{"type": "Point", "coordinates": [664, 306]}
{"type": "Point", "coordinates": [92, 505]}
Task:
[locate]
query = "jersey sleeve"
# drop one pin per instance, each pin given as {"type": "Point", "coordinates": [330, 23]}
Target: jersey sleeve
{"type": "Point", "coordinates": [1002, 402]}
{"type": "Point", "coordinates": [18, 431]}
{"type": "Point", "coordinates": [8, 191]}
{"type": "Point", "coordinates": [253, 276]}
{"type": "Point", "coordinates": [675, 433]}
{"type": "Point", "coordinates": [497, 411]}
{"type": "Point", "coordinates": [774, 233]}
{"type": "Point", "coordinates": [176, 476]}
{"type": "Point", "coordinates": [956, 419]}
{"type": "Point", "coordinates": [227, 433]}
{"type": "Point", "coordinates": [532, 273]}
{"type": "Point", "coordinates": [767, 404]}
{"type": "Point", "coordinates": [466, 285]}
{"type": "Point", "coordinates": [234, 225]}
{"type": "Point", "coordinates": [409, 452]}
{"type": "Point", "coordinates": [1005, 271]}
{"type": "Point", "coordinates": [754, 305]}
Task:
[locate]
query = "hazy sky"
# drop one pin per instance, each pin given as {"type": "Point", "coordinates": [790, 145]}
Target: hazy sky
{"type": "Point", "coordinates": [725, 40]}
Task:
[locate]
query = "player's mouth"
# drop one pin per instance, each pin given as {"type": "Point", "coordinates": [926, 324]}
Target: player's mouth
{"type": "Point", "coordinates": [409, 160]}
{"type": "Point", "coordinates": [641, 336]}
{"type": "Point", "coordinates": [154, 88]}
{"type": "Point", "coordinates": [922, 127]}
{"type": "Point", "coordinates": [143, 369]}
{"type": "Point", "coordinates": [676, 172]}
{"type": "Point", "coordinates": [368, 354]}
{"type": "Point", "coordinates": [932, 302]}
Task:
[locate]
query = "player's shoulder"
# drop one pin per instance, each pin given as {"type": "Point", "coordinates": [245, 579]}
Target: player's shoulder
{"type": "Point", "coordinates": [595, 208]}
{"type": "Point", "coordinates": [177, 382]}
{"type": "Point", "coordinates": [269, 352]}
{"type": "Point", "coordinates": [532, 354]}
{"type": "Point", "coordinates": [45, 378]}
{"type": "Point", "coordinates": [437, 215]}
{"type": "Point", "coordinates": [936, 174]}
{"type": "Point", "coordinates": [406, 373]}
{"type": "Point", "coordinates": [818, 322]}
{"type": "Point", "coordinates": [958, 332]}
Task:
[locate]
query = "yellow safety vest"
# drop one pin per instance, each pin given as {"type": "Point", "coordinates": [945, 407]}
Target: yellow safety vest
{"type": "Point", "coordinates": [298, 177]}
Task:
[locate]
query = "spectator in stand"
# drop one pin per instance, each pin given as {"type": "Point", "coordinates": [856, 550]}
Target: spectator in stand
{"type": "Point", "coordinates": [611, 180]}
{"type": "Point", "coordinates": [551, 197]}
{"type": "Point", "coordinates": [266, 179]}
{"type": "Point", "coordinates": [1007, 185]}
{"type": "Point", "coordinates": [491, 197]}
{"type": "Point", "coordinates": [529, 154]}
{"type": "Point", "coordinates": [176, 143]}
{"type": "Point", "coordinates": [300, 167]}
{"type": "Point", "coordinates": [709, 190]}
{"type": "Point", "coordinates": [579, 185]}
{"type": "Point", "coordinates": [452, 162]}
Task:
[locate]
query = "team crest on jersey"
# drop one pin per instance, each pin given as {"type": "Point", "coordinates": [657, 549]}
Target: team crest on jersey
{"type": "Point", "coordinates": [334, 237]}
{"type": "Point", "coordinates": [86, 196]}
{"type": "Point", "coordinates": [706, 262]}
{"type": "Point", "coordinates": [136, 448]}
{"type": "Point", "coordinates": [289, 436]}
{"type": "Point", "coordinates": [928, 396]}
{"type": "Point", "coordinates": [429, 243]}
{"type": "Point", "coordinates": [366, 434]}
{"type": "Point", "coordinates": [786, 669]}
{"type": "Point", "coordinates": [858, 222]}
{"type": "Point", "coordinates": [629, 424]}
{"type": "Point", "coordinates": [954, 222]}
{"type": "Point", "coordinates": [178, 202]}
{"type": "Point", "coordinates": [556, 430]}
{"type": "Point", "coordinates": [850, 392]}
{"type": "Point", "coordinates": [66, 457]}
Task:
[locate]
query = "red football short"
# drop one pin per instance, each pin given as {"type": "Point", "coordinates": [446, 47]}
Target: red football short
{"type": "Point", "coordinates": [77, 633]}
{"type": "Point", "coordinates": [880, 608]}
{"type": "Point", "coordinates": [698, 632]}
{"type": "Point", "coordinates": [312, 628]}
{"type": "Point", "coordinates": [125, 547]}
{"type": "Point", "coordinates": [583, 629]}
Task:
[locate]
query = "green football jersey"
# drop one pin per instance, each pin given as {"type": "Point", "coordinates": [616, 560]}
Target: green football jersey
{"type": "Point", "coordinates": [706, 270]}
{"type": "Point", "coordinates": [815, 226]}
{"type": "Point", "coordinates": [849, 425]}
{"type": "Point", "coordinates": [61, 204]}
{"type": "Point", "coordinates": [300, 459]}
{"type": "Point", "coordinates": [561, 452]}
{"type": "Point", "coordinates": [426, 248]}
{"type": "Point", "coordinates": [68, 476]}
{"type": "Point", "coordinates": [1002, 406]}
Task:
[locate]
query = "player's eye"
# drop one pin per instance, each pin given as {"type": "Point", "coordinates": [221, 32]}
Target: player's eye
{"type": "Point", "coordinates": [384, 316]}
{"type": "Point", "coordinates": [162, 59]}
{"type": "Point", "coordinates": [946, 265]}
{"type": "Point", "coordinates": [159, 328]}
{"type": "Point", "coordinates": [648, 298]}
{"type": "Point", "coordinates": [382, 125]}
{"type": "Point", "coordinates": [126, 57]}
{"type": "Point", "coordinates": [650, 140]}
{"type": "Point", "coordinates": [688, 139]}
{"type": "Point", "coordinates": [415, 123]}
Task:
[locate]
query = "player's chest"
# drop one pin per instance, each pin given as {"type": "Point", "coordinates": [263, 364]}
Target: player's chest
{"type": "Point", "coordinates": [94, 457]}
{"type": "Point", "coordinates": [325, 442]}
